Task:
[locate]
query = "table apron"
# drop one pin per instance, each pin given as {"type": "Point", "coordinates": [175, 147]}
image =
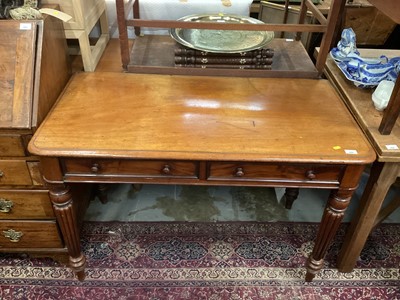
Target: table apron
{"type": "Point", "coordinates": [186, 181]}
{"type": "Point", "coordinates": [312, 175]}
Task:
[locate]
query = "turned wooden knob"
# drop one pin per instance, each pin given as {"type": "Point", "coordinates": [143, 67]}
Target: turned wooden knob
{"type": "Point", "coordinates": [166, 169]}
{"type": "Point", "coordinates": [95, 168]}
{"type": "Point", "coordinates": [310, 175]}
{"type": "Point", "coordinates": [239, 172]}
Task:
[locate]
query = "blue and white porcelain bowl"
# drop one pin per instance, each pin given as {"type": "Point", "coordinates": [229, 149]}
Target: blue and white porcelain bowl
{"type": "Point", "coordinates": [353, 77]}
{"type": "Point", "coordinates": [363, 72]}
{"type": "Point", "coordinates": [367, 72]}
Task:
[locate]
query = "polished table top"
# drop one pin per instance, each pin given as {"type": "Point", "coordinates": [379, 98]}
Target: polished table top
{"type": "Point", "coordinates": [203, 118]}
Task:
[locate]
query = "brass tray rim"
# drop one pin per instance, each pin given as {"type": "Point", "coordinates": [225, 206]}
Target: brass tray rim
{"type": "Point", "coordinates": [174, 33]}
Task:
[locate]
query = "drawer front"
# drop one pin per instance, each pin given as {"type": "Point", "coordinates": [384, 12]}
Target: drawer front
{"type": "Point", "coordinates": [29, 234]}
{"type": "Point", "coordinates": [36, 174]}
{"type": "Point", "coordinates": [272, 172]}
{"type": "Point", "coordinates": [25, 204]}
{"type": "Point", "coordinates": [14, 172]}
{"type": "Point", "coordinates": [134, 168]}
{"type": "Point", "coordinates": [11, 145]}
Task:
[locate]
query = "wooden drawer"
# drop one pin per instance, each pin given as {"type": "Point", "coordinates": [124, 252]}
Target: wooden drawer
{"type": "Point", "coordinates": [274, 173]}
{"type": "Point", "coordinates": [36, 175]}
{"type": "Point", "coordinates": [131, 168]}
{"type": "Point", "coordinates": [25, 204]}
{"type": "Point", "coordinates": [14, 172]}
{"type": "Point", "coordinates": [29, 234]}
{"type": "Point", "coordinates": [11, 145]}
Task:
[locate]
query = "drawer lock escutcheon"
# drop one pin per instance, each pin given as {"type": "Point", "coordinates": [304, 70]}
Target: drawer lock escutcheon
{"type": "Point", "coordinates": [5, 205]}
{"type": "Point", "coordinates": [310, 175]}
{"type": "Point", "coordinates": [239, 172]}
{"type": "Point", "coordinates": [13, 235]}
{"type": "Point", "coordinates": [166, 170]}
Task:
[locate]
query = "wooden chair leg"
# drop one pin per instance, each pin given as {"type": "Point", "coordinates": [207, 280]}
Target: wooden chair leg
{"type": "Point", "coordinates": [123, 33]}
{"type": "Point", "coordinates": [136, 15]}
{"type": "Point", "coordinates": [385, 212]}
{"type": "Point", "coordinates": [382, 176]}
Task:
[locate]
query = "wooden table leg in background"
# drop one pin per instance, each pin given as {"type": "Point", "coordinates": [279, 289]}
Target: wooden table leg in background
{"type": "Point", "coordinates": [290, 196]}
{"type": "Point", "coordinates": [383, 175]}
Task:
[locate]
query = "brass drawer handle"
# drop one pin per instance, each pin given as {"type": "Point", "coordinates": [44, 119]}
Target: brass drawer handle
{"type": "Point", "coordinates": [95, 168]}
{"type": "Point", "coordinates": [13, 235]}
{"type": "Point", "coordinates": [311, 175]}
{"type": "Point", "coordinates": [166, 169]}
{"type": "Point", "coordinates": [5, 205]}
{"type": "Point", "coordinates": [1, 173]}
{"type": "Point", "coordinates": [239, 172]}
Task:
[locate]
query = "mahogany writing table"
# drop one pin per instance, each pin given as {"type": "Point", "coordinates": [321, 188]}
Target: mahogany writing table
{"type": "Point", "coordinates": [164, 129]}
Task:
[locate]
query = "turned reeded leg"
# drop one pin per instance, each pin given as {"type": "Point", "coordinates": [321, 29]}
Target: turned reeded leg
{"type": "Point", "coordinates": [61, 198]}
{"type": "Point", "coordinates": [333, 215]}
{"type": "Point", "coordinates": [338, 201]}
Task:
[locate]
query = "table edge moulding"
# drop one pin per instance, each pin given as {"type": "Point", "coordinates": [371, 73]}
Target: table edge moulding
{"type": "Point", "coordinates": [200, 130]}
{"type": "Point", "coordinates": [292, 59]}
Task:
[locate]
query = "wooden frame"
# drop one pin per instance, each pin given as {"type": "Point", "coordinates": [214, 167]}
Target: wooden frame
{"type": "Point", "coordinates": [299, 64]}
{"type": "Point", "coordinates": [86, 14]}
{"type": "Point", "coordinates": [381, 132]}
{"type": "Point", "coordinates": [392, 112]}
{"type": "Point", "coordinates": [384, 171]}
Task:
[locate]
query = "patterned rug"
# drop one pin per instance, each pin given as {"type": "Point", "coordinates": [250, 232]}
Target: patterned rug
{"type": "Point", "coordinates": [216, 261]}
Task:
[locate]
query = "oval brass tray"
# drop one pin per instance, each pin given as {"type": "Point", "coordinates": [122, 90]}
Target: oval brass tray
{"type": "Point", "coordinates": [221, 41]}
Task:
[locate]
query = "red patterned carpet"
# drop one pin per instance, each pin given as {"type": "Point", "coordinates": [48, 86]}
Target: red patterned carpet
{"type": "Point", "coordinates": [216, 261]}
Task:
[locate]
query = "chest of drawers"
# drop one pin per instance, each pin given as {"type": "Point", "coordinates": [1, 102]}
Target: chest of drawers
{"type": "Point", "coordinates": [33, 71]}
